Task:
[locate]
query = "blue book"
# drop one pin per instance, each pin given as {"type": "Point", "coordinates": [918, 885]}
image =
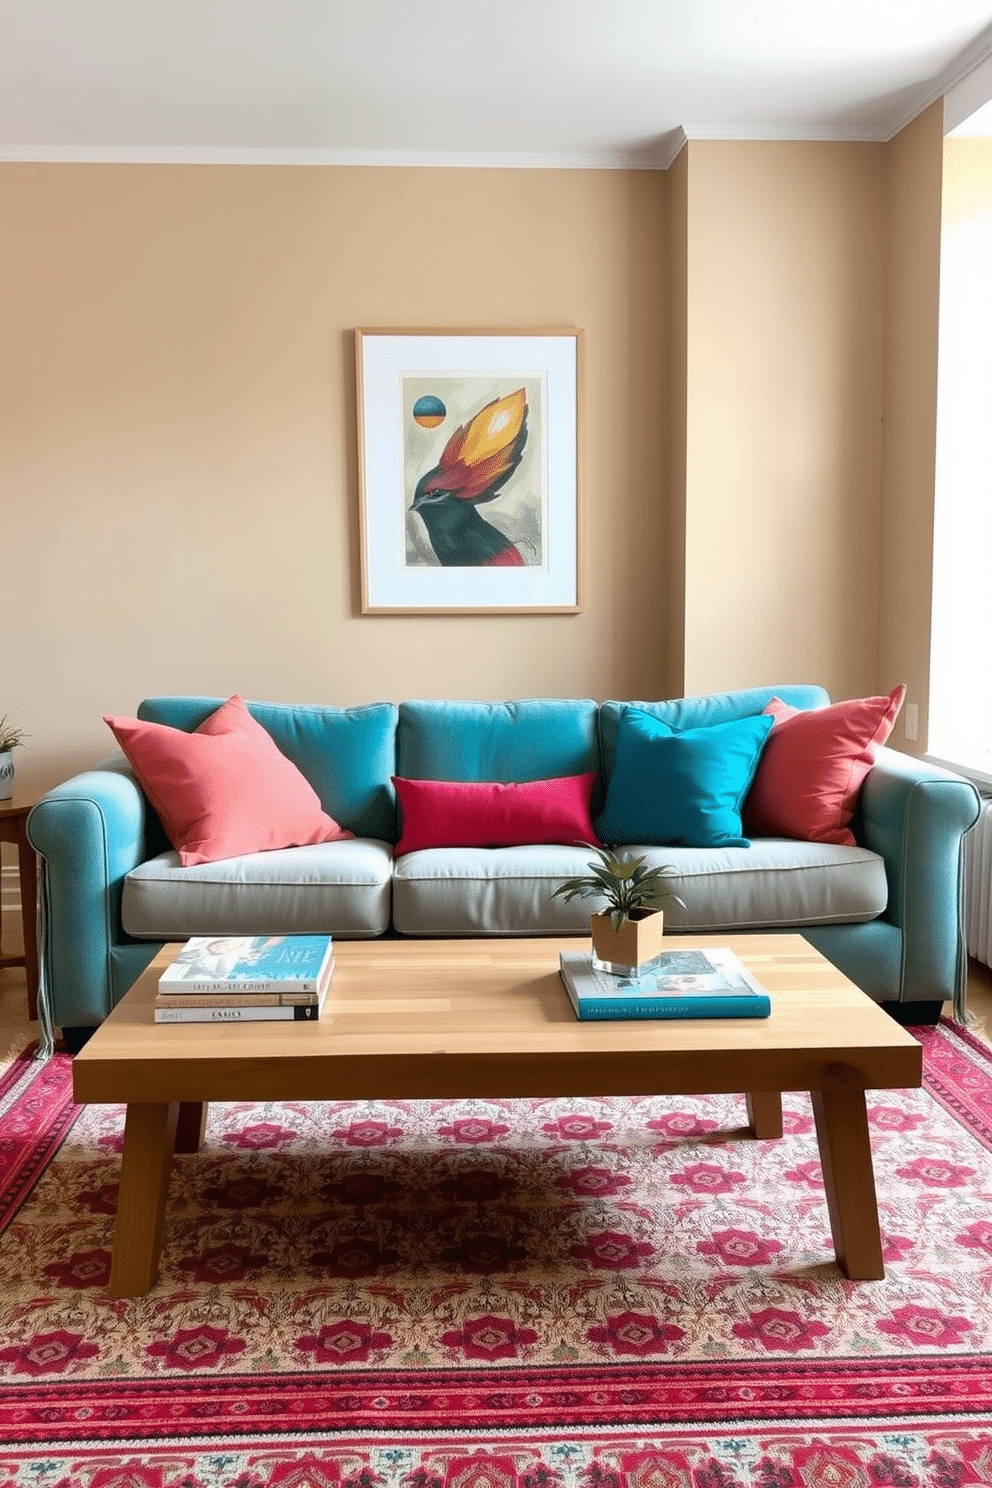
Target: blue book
{"type": "Point", "coordinates": [711, 983]}
{"type": "Point", "coordinates": [249, 963]}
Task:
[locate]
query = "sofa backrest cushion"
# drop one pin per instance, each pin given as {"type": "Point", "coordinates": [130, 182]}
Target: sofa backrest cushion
{"type": "Point", "coordinates": [347, 754]}
{"type": "Point", "coordinates": [528, 739]}
{"type": "Point", "coordinates": [702, 712]}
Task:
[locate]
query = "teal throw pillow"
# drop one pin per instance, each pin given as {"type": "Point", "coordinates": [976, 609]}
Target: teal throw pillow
{"type": "Point", "coordinates": [685, 789]}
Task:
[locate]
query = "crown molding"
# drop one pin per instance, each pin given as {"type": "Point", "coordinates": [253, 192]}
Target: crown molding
{"type": "Point", "coordinates": [797, 132]}
{"type": "Point", "coordinates": [969, 99]}
{"type": "Point", "coordinates": [954, 73]}
{"type": "Point", "coordinates": [673, 144]}
{"type": "Point", "coordinates": [653, 156]}
{"type": "Point", "coordinates": [656, 155]}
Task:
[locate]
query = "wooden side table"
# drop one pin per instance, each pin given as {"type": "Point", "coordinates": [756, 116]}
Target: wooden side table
{"type": "Point", "coordinates": [13, 820]}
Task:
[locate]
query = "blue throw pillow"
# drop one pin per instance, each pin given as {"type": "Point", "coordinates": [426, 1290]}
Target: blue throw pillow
{"type": "Point", "coordinates": [684, 789]}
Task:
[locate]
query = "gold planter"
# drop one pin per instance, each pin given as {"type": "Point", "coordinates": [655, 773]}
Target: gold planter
{"type": "Point", "coordinates": [625, 952]}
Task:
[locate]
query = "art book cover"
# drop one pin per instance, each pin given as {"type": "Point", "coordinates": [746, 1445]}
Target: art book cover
{"type": "Point", "coordinates": [715, 969]}
{"type": "Point", "coordinates": [711, 983]}
{"type": "Point", "coordinates": [289, 963]}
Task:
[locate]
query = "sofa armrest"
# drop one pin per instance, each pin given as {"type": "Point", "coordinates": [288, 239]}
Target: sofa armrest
{"type": "Point", "coordinates": [90, 832]}
{"type": "Point", "coordinates": [915, 815]}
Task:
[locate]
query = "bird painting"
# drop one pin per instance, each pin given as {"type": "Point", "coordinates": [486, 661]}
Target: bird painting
{"type": "Point", "coordinates": [475, 465]}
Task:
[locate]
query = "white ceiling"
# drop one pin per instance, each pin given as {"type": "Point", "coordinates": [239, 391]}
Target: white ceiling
{"type": "Point", "coordinates": [475, 82]}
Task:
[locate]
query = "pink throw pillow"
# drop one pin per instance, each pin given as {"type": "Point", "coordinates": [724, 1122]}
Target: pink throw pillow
{"type": "Point", "coordinates": [451, 813]}
{"type": "Point", "coordinates": [814, 765]}
{"type": "Point", "coordinates": [225, 789]}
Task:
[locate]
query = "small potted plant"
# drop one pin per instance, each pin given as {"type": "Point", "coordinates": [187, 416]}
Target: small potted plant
{"type": "Point", "coordinates": [628, 932]}
{"type": "Point", "coordinates": [10, 737]}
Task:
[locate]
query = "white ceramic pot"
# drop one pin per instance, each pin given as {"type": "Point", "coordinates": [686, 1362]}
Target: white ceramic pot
{"type": "Point", "coordinates": [6, 774]}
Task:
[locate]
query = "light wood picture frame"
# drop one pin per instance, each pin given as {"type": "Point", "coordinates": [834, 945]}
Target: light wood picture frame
{"type": "Point", "coordinates": [469, 471]}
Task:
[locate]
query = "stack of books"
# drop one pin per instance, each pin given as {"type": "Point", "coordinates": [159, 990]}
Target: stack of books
{"type": "Point", "coordinates": [710, 983]}
{"type": "Point", "coordinates": [246, 978]}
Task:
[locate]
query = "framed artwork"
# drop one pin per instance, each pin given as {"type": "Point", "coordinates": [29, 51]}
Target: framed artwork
{"type": "Point", "coordinates": [469, 471]}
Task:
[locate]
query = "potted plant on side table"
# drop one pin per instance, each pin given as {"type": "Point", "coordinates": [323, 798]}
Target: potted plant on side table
{"type": "Point", "coordinates": [10, 738]}
{"type": "Point", "coordinates": [627, 934]}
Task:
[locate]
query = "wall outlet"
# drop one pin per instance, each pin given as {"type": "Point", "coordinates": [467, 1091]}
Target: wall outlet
{"type": "Point", "coordinates": [912, 722]}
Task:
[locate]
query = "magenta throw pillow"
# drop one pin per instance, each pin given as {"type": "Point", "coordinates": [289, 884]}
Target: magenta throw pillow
{"type": "Point", "coordinates": [451, 813]}
{"type": "Point", "coordinates": [225, 789]}
{"type": "Point", "coordinates": [813, 766]}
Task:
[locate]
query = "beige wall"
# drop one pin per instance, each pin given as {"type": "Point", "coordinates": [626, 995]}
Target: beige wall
{"type": "Point", "coordinates": [784, 315]}
{"type": "Point", "coordinates": [177, 430]}
{"type": "Point", "coordinates": [912, 262]}
{"type": "Point", "coordinates": [177, 424]}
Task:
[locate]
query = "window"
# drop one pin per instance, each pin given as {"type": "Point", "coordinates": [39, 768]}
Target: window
{"type": "Point", "coordinates": [960, 732]}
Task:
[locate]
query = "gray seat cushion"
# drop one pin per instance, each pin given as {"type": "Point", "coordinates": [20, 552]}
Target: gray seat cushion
{"type": "Point", "coordinates": [487, 891]}
{"type": "Point", "coordinates": [772, 884]}
{"type": "Point", "coordinates": [336, 888]}
{"type": "Point", "coordinates": [775, 883]}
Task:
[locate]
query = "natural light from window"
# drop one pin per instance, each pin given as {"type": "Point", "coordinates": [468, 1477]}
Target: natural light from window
{"type": "Point", "coordinates": [960, 731]}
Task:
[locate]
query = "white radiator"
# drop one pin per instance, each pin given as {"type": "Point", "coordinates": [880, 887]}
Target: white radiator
{"type": "Point", "coordinates": [978, 885]}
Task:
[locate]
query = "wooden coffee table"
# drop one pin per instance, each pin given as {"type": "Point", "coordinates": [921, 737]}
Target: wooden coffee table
{"type": "Point", "coordinates": [420, 1019]}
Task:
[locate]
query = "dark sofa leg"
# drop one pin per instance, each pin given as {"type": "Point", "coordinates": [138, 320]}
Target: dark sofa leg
{"type": "Point", "coordinates": [75, 1038]}
{"type": "Point", "coordinates": [915, 1014]}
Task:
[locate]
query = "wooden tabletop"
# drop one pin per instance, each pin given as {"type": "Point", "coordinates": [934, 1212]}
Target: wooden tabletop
{"type": "Point", "coordinates": [408, 1019]}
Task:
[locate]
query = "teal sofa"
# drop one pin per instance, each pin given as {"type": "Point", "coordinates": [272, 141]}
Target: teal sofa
{"type": "Point", "coordinates": [887, 912]}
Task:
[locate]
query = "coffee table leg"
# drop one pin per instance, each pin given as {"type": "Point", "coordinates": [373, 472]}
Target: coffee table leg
{"type": "Point", "coordinates": [845, 1153]}
{"type": "Point", "coordinates": [764, 1113]}
{"type": "Point", "coordinates": [149, 1138]}
{"type": "Point", "coordinates": [191, 1126]}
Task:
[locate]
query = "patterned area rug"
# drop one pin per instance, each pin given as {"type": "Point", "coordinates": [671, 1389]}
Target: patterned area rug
{"type": "Point", "coordinates": [484, 1294]}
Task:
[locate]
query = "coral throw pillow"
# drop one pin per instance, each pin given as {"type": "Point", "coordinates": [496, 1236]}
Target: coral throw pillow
{"type": "Point", "coordinates": [225, 789]}
{"type": "Point", "coordinates": [450, 813]}
{"type": "Point", "coordinates": [814, 765]}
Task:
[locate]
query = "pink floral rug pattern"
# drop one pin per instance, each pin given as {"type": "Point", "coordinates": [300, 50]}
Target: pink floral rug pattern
{"type": "Point", "coordinates": [519, 1294]}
